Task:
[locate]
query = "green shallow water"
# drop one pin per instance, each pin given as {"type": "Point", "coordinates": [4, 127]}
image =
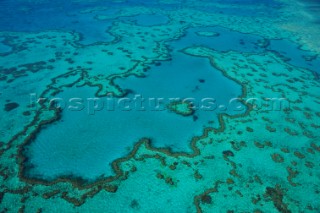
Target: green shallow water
{"type": "Point", "coordinates": [234, 128]}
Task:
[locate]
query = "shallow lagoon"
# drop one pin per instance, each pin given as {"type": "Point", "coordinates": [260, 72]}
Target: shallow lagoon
{"type": "Point", "coordinates": [67, 148]}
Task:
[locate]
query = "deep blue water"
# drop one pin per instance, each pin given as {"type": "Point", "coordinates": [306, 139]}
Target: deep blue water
{"type": "Point", "coordinates": [63, 15]}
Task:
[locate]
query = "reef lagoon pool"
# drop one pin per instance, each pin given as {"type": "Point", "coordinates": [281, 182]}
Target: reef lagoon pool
{"type": "Point", "coordinates": [159, 106]}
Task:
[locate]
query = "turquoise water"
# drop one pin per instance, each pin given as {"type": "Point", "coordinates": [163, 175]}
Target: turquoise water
{"type": "Point", "coordinates": [159, 106]}
{"type": "Point", "coordinates": [166, 129]}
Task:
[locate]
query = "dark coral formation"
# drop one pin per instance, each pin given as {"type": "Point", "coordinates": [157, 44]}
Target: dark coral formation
{"type": "Point", "coordinates": [10, 106]}
{"type": "Point", "coordinates": [134, 204]}
{"type": "Point", "coordinates": [277, 158]}
{"type": "Point", "coordinates": [228, 153]}
{"type": "Point", "coordinates": [276, 194]}
{"type": "Point", "coordinates": [207, 199]}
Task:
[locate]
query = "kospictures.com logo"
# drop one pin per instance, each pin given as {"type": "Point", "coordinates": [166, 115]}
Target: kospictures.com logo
{"type": "Point", "coordinates": [140, 103]}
